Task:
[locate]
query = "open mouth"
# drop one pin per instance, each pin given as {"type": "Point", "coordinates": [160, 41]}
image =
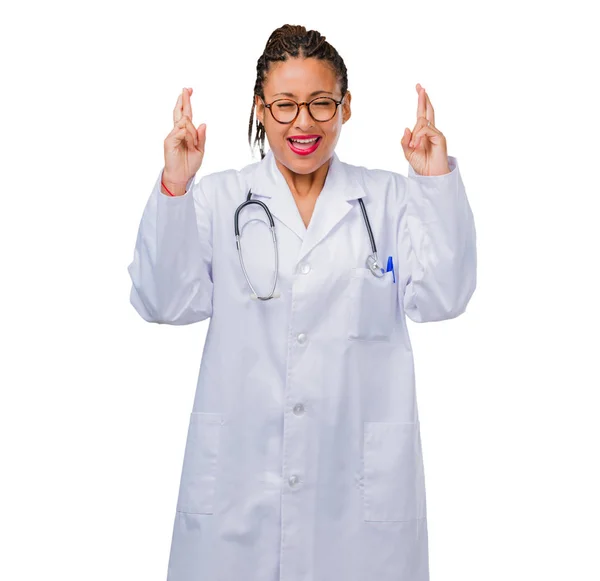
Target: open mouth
{"type": "Point", "coordinates": [304, 146]}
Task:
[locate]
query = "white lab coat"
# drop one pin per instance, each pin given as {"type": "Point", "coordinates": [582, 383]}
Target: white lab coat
{"type": "Point", "coordinates": [303, 459]}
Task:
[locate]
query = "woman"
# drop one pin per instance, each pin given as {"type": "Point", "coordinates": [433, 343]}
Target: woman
{"type": "Point", "coordinates": [303, 456]}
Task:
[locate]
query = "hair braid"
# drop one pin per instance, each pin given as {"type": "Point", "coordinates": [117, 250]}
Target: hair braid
{"type": "Point", "coordinates": [285, 42]}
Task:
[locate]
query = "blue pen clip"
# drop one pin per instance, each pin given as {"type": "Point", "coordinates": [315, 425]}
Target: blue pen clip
{"type": "Point", "coordinates": [390, 266]}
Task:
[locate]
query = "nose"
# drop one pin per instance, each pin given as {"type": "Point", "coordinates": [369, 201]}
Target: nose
{"type": "Point", "coordinates": [303, 119]}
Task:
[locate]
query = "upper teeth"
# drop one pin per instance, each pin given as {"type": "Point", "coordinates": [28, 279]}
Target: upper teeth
{"type": "Point", "coordinates": [305, 140]}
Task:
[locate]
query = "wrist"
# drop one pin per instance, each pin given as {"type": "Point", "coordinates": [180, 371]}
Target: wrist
{"type": "Point", "coordinates": [172, 188]}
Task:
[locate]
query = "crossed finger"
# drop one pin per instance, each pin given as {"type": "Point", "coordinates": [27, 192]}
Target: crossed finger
{"type": "Point", "coordinates": [191, 136]}
{"type": "Point", "coordinates": [183, 105]}
{"type": "Point", "coordinates": [422, 129]}
{"type": "Point", "coordinates": [424, 107]}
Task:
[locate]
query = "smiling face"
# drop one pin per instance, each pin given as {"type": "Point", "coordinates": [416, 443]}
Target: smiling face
{"type": "Point", "coordinates": [302, 79]}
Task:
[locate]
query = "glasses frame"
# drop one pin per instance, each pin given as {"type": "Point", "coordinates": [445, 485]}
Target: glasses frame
{"type": "Point", "coordinates": [298, 105]}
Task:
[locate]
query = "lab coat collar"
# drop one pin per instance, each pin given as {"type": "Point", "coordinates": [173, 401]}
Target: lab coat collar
{"type": "Point", "coordinates": [342, 186]}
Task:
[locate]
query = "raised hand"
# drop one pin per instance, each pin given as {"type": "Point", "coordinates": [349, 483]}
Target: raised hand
{"type": "Point", "coordinates": [184, 146]}
{"type": "Point", "coordinates": [425, 147]}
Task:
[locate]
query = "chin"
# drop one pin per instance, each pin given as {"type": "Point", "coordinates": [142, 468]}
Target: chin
{"type": "Point", "coordinates": [305, 166]}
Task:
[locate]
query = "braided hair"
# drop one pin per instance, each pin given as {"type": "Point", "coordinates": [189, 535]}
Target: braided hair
{"type": "Point", "coordinates": [292, 41]}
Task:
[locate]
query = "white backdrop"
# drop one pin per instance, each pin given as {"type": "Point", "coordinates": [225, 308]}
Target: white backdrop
{"type": "Point", "coordinates": [95, 401]}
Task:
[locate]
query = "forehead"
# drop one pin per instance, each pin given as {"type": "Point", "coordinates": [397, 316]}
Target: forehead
{"type": "Point", "coordinates": [300, 77]}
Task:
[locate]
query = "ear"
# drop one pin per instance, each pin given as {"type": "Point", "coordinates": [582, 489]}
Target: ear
{"type": "Point", "coordinates": [346, 112]}
{"type": "Point", "coordinates": [260, 109]}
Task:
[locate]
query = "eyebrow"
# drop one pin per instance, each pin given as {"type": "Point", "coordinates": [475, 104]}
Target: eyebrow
{"type": "Point", "coordinates": [311, 95]}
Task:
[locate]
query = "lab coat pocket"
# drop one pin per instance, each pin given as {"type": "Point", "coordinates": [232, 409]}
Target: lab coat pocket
{"type": "Point", "coordinates": [394, 484]}
{"type": "Point", "coordinates": [372, 308]}
{"type": "Point", "coordinates": [198, 476]}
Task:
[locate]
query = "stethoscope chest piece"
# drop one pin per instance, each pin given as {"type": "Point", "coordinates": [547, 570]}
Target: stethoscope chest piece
{"type": "Point", "coordinates": [374, 266]}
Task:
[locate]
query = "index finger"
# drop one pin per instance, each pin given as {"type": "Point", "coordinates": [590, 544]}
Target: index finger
{"type": "Point", "coordinates": [187, 106]}
{"type": "Point", "coordinates": [430, 113]}
{"type": "Point", "coordinates": [421, 107]}
{"type": "Point", "coordinates": [177, 110]}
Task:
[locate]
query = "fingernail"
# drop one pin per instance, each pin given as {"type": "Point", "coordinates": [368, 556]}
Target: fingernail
{"type": "Point", "coordinates": [411, 143]}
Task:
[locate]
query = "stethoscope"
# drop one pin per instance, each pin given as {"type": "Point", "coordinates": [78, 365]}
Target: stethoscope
{"type": "Point", "coordinates": [372, 260]}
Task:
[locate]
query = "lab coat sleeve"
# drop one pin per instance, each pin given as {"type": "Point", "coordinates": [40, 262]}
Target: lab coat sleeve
{"type": "Point", "coordinates": [436, 246]}
{"type": "Point", "coordinates": [171, 271]}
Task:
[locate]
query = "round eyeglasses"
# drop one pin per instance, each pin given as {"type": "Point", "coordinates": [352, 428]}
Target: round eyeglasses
{"type": "Point", "coordinates": [286, 110]}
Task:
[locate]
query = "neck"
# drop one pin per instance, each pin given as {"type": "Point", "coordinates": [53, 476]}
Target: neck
{"type": "Point", "coordinates": [305, 185]}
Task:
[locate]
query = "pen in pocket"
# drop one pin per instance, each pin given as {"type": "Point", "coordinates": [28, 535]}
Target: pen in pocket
{"type": "Point", "coordinates": [390, 266]}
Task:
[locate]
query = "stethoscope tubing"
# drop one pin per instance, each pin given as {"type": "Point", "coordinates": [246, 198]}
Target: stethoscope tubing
{"type": "Point", "coordinates": [238, 243]}
{"type": "Point", "coordinates": [368, 224]}
{"type": "Point", "coordinates": [372, 260]}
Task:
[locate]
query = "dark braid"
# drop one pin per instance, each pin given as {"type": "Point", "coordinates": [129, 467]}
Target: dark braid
{"type": "Point", "coordinates": [292, 41]}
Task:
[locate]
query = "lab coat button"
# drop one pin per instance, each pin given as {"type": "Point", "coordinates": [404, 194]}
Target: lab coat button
{"type": "Point", "coordinates": [298, 409]}
{"type": "Point", "coordinates": [293, 480]}
{"type": "Point", "coordinates": [301, 338]}
{"type": "Point", "coordinates": [305, 268]}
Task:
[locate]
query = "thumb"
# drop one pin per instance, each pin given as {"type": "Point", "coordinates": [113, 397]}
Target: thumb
{"type": "Point", "coordinates": [201, 132]}
{"type": "Point", "coordinates": [405, 141]}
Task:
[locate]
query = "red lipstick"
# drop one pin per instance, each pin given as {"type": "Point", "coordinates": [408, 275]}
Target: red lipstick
{"type": "Point", "coordinates": [304, 149]}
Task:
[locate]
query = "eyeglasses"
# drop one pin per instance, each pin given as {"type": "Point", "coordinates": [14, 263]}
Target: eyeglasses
{"type": "Point", "coordinates": [286, 110]}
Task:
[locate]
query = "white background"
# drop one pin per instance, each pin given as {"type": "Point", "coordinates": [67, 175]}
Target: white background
{"type": "Point", "coordinates": [95, 401]}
